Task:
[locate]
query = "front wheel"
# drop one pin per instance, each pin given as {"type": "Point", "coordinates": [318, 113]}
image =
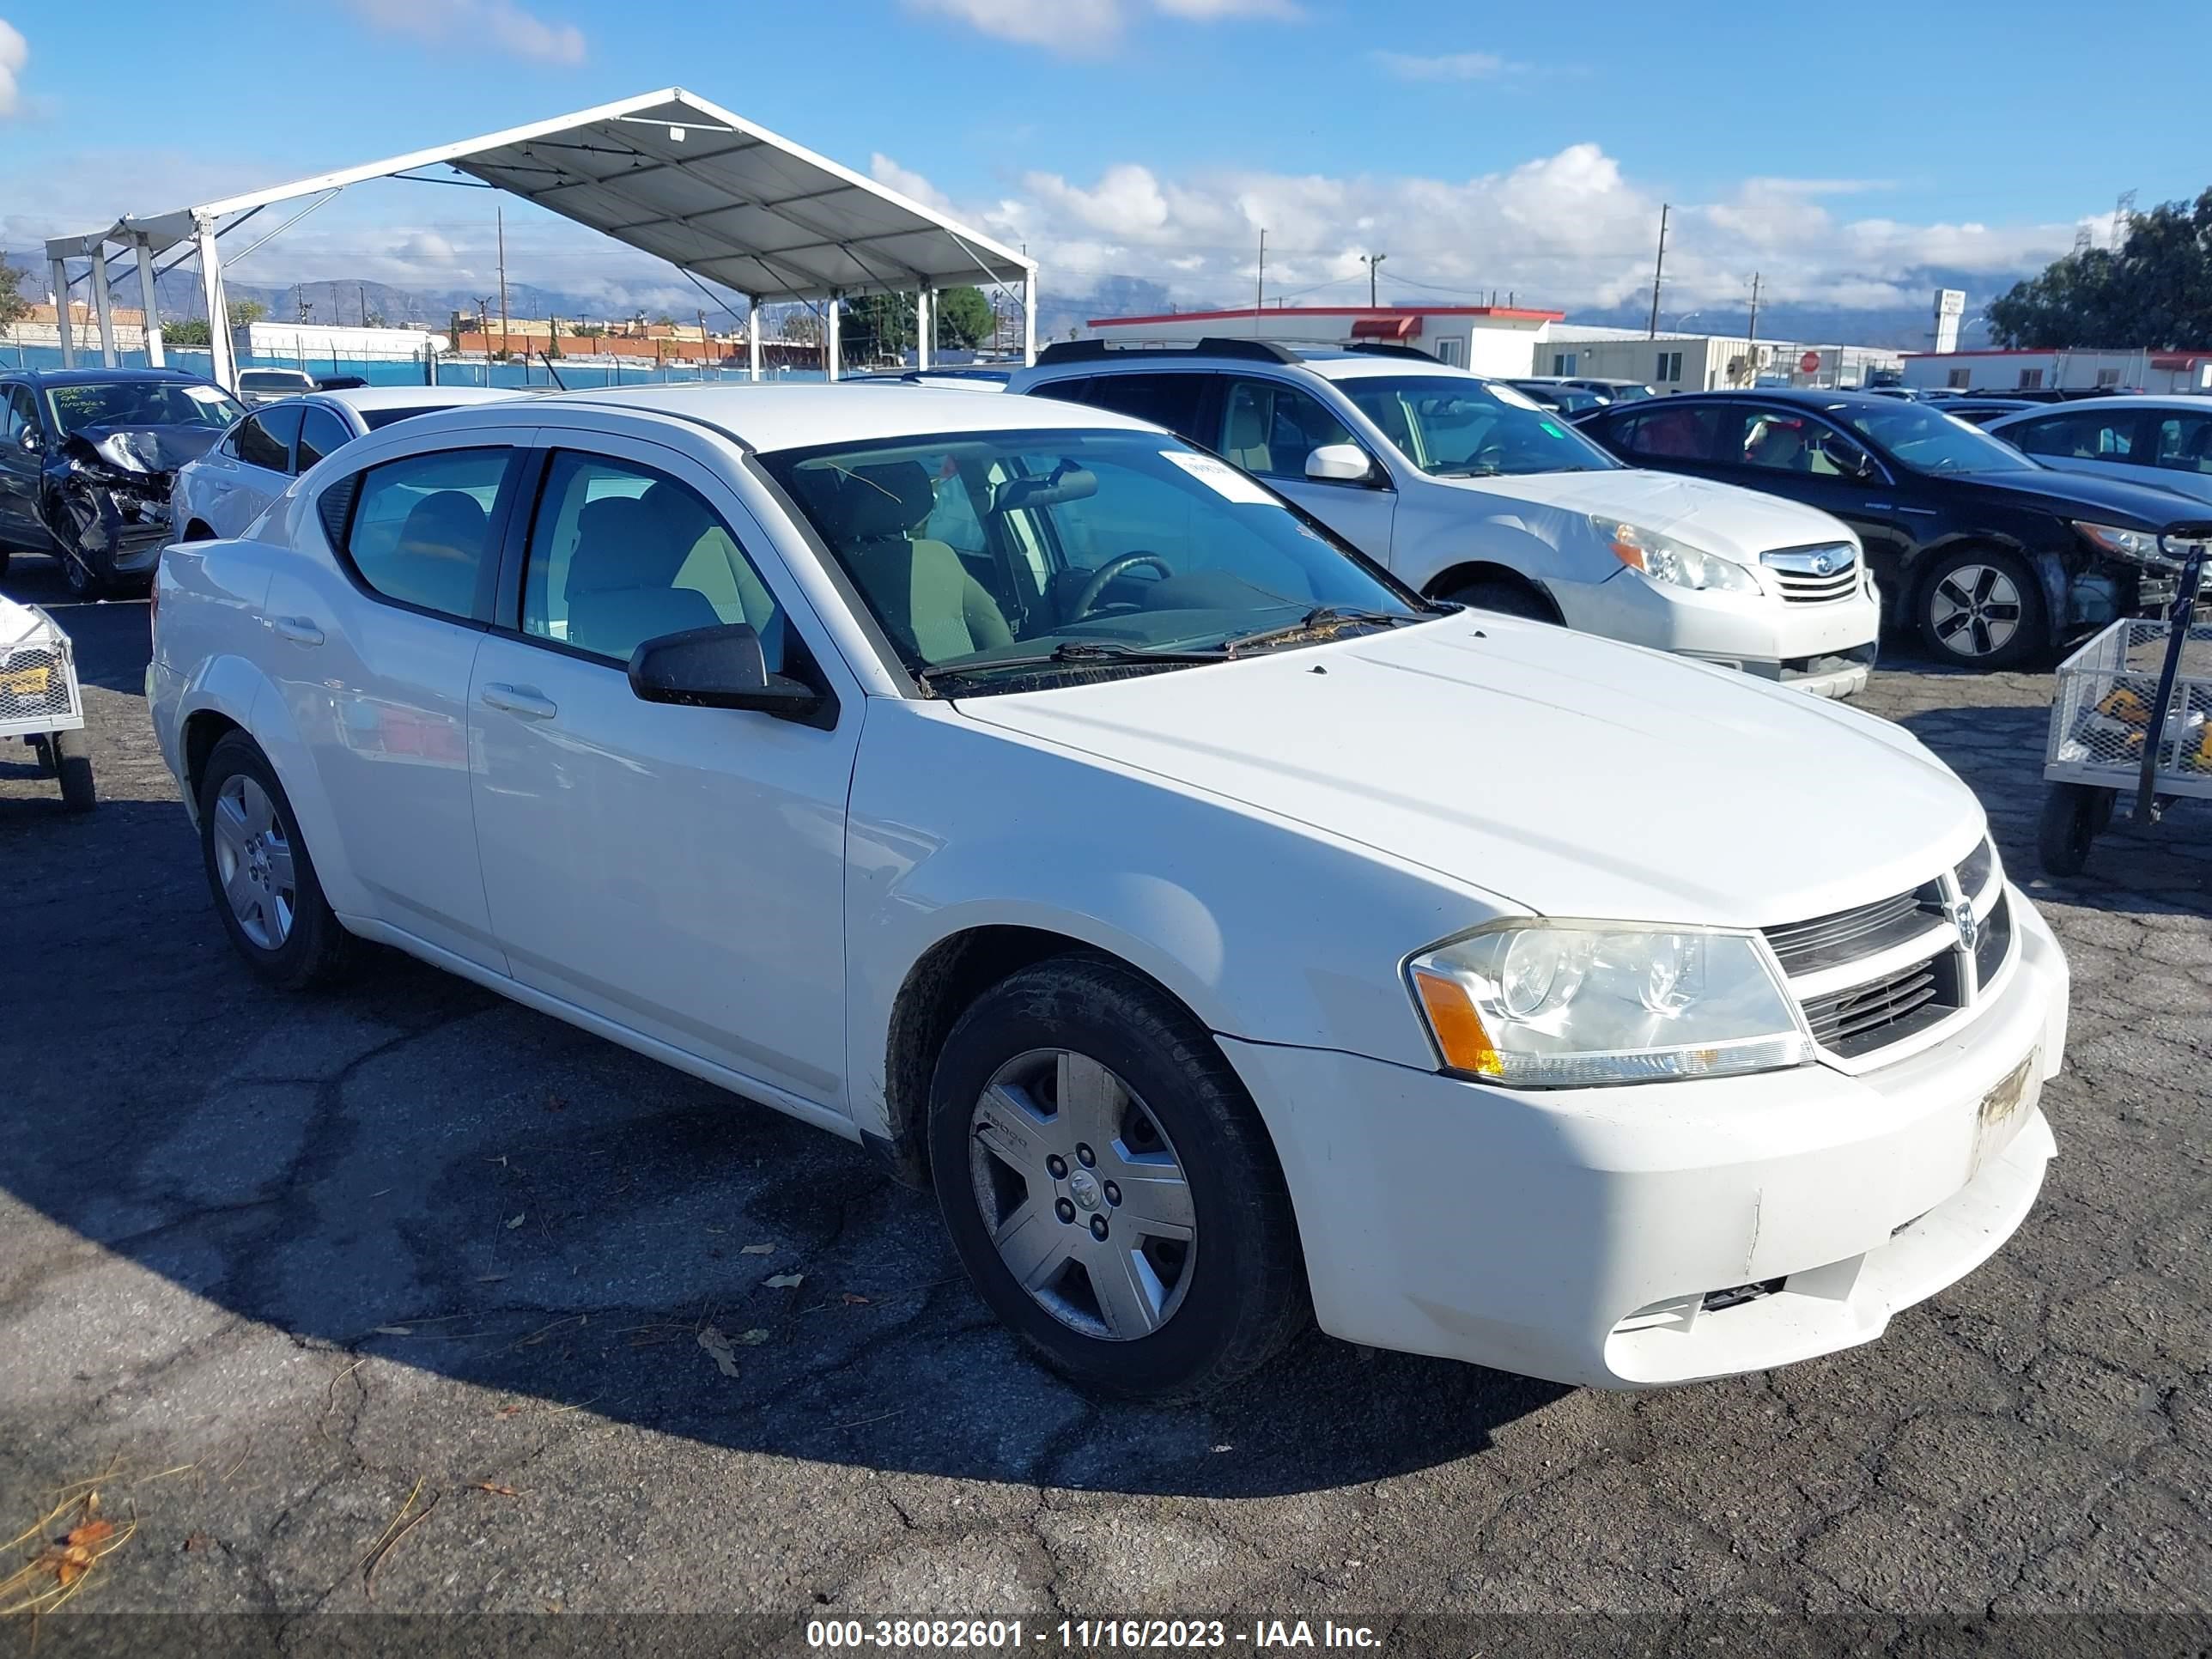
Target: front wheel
{"type": "Point", "coordinates": [2073, 813]}
{"type": "Point", "coordinates": [71, 752]}
{"type": "Point", "coordinates": [84, 582]}
{"type": "Point", "coordinates": [1982, 610]}
{"type": "Point", "coordinates": [1109, 1186]}
{"type": "Point", "coordinates": [1507, 598]}
{"type": "Point", "coordinates": [258, 867]}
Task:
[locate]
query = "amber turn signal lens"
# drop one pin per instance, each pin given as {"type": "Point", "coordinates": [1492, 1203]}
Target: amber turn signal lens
{"type": "Point", "coordinates": [1459, 1030]}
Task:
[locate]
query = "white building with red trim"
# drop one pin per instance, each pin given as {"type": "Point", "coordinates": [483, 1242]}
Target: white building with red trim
{"type": "Point", "coordinates": [2041, 369]}
{"type": "Point", "coordinates": [1489, 339]}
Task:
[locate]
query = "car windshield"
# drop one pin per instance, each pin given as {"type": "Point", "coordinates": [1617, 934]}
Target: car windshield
{"type": "Point", "coordinates": [275, 380]}
{"type": "Point", "coordinates": [141, 403]}
{"type": "Point", "coordinates": [1458, 426]}
{"type": "Point", "coordinates": [1927, 440]}
{"type": "Point", "coordinates": [1064, 551]}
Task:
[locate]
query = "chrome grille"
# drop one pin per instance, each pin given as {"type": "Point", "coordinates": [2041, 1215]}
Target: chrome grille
{"type": "Point", "coordinates": [1814, 575]}
{"type": "Point", "coordinates": [1872, 1016]}
{"type": "Point", "coordinates": [1803, 947]}
{"type": "Point", "coordinates": [34, 683]}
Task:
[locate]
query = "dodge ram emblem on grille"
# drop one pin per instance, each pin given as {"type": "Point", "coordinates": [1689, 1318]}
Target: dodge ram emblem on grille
{"type": "Point", "coordinates": [1961, 912]}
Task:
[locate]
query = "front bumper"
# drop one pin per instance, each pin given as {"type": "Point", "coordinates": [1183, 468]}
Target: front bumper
{"type": "Point", "coordinates": [1827, 649]}
{"type": "Point", "coordinates": [1597, 1236]}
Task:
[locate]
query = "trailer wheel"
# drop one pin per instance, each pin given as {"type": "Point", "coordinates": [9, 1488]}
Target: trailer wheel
{"type": "Point", "coordinates": [2072, 815]}
{"type": "Point", "coordinates": [72, 752]}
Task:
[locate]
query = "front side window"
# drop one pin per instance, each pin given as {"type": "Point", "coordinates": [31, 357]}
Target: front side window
{"type": "Point", "coordinates": [1784, 440]}
{"type": "Point", "coordinates": [1106, 545]}
{"type": "Point", "coordinates": [140, 402]}
{"type": "Point", "coordinates": [17, 415]}
{"type": "Point", "coordinates": [1927, 441]}
{"type": "Point", "coordinates": [620, 554]}
{"type": "Point", "coordinates": [1453, 426]}
{"type": "Point", "coordinates": [421, 528]}
{"type": "Point", "coordinates": [265, 440]}
{"type": "Point", "coordinates": [1270, 428]}
{"type": "Point", "coordinates": [320, 433]}
{"type": "Point", "coordinates": [1672, 431]}
{"type": "Point", "coordinates": [2184, 443]}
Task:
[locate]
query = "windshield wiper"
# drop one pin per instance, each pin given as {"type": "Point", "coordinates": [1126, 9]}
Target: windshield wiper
{"type": "Point", "coordinates": [1077, 653]}
{"type": "Point", "coordinates": [1326, 616]}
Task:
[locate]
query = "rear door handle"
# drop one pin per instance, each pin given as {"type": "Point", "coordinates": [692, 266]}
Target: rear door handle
{"type": "Point", "coordinates": [300, 630]}
{"type": "Point", "coordinates": [523, 700]}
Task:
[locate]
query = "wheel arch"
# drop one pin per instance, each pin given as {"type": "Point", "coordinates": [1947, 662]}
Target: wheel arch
{"type": "Point", "coordinates": [1453, 578]}
{"type": "Point", "coordinates": [939, 986]}
{"type": "Point", "coordinates": [2049, 572]}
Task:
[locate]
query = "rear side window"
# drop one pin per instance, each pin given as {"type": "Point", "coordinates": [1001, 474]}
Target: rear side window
{"type": "Point", "coordinates": [421, 530]}
{"type": "Point", "coordinates": [265, 440]}
{"type": "Point", "coordinates": [320, 431]}
{"type": "Point", "coordinates": [1670, 432]}
{"type": "Point", "coordinates": [1167, 400]}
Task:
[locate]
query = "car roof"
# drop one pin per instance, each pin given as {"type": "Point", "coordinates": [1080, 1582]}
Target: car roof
{"type": "Point", "coordinates": [102, 376]}
{"type": "Point", "coordinates": [2192, 405]}
{"type": "Point", "coordinates": [777, 417]}
{"type": "Point", "coordinates": [1811, 396]}
{"type": "Point", "coordinates": [420, 397]}
{"type": "Point", "coordinates": [1329, 361]}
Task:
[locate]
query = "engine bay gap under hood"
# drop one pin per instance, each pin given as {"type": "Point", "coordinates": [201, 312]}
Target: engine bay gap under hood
{"type": "Point", "coordinates": [1573, 774]}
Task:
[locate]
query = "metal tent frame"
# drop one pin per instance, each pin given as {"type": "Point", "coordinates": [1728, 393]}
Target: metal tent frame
{"type": "Point", "coordinates": [666, 172]}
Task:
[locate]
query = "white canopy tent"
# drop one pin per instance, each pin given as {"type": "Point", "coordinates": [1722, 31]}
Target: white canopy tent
{"type": "Point", "coordinates": [666, 172]}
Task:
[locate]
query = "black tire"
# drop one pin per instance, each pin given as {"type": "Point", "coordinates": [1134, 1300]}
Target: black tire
{"type": "Point", "coordinates": [1508, 599]}
{"type": "Point", "coordinates": [1963, 624]}
{"type": "Point", "coordinates": [71, 753]}
{"type": "Point", "coordinates": [2072, 815]}
{"type": "Point", "coordinates": [317, 951]}
{"type": "Point", "coordinates": [1246, 1296]}
{"type": "Point", "coordinates": [42, 753]}
{"type": "Point", "coordinates": [85, 584]}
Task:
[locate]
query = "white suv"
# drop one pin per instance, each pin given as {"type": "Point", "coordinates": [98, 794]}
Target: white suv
{"type": "Point", "coordinates": [1468, 490]}
{"type": "Point", "coordinates": [1018, 791]}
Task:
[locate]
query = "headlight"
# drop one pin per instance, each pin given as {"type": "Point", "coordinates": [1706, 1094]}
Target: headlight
{"type": "Point", "coordinates": [1664, 559]}
{"type": "Point", "coordinates": [2138, 546]}
{"type": "Point", "coordinates": [1575, 1004]}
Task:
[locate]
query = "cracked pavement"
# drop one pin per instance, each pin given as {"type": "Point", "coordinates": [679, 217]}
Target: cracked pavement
{"type": "Point", "coordinates": [326, 1253]}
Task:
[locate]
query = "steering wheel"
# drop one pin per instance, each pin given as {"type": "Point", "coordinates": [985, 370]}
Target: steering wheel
{"type": "Point", "coordinates": [1107, 572]}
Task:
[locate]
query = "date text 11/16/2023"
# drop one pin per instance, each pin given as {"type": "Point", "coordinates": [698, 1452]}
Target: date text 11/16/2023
{"type": "Point", "coordinates": [1127, 1635]}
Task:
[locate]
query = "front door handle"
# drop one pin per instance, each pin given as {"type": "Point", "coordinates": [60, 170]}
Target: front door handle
{"type": "Point", "coordinates": [300, 630]}
{"type": "Point", "coordinates": [523, 700]}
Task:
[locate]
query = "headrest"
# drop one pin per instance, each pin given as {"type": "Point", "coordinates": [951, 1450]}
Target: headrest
{"type": "Point", "coordinates": [885, 501]}
{"type": "Point", "coordinates": [449, 521]}
{"type": "Point", "coordinates": [618, 544]}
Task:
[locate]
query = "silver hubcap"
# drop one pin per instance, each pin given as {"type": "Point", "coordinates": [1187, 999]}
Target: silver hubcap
{"type": "Point", "coordinates": [254, 861]}
{"type": "Point", "coordinates": [1083, 1195]}
{"type": "Point", "coordinates": [1977, 609]}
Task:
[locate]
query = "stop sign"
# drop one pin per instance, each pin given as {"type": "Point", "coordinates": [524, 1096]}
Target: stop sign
{"type": "Point", "coordinates": [1809, 363]}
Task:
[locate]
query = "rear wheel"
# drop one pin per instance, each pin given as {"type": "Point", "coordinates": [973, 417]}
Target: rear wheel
{"type": "Point", "coordinates": [1982, 610]}
{"type": "Point", "coordinates": [71, 755]}
{"type": "Point", "coordinates": [1508, 599]}
{"type": "Point", "coordinates": [1109, 1186]}
{"type": "Point", "coordinates": [258, 869]}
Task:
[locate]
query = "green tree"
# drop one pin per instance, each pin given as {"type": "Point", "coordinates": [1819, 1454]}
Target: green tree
{"type": "Point", "coordinates": [186, 331]}
{"type": "Point", "coordinates": [875, 327]}
{"type": "Point", "coordinates": [2154, 289]}
{"type": "Point", "coordinates": [14, 305]}
{"type": "Point", "coordinates": [243, 312]}
{"type": "Point", "coordinates": [963, 317]}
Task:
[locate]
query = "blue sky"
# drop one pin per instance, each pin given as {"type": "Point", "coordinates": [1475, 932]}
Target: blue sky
{"type": "Point", "coordinates": [1840, 151]}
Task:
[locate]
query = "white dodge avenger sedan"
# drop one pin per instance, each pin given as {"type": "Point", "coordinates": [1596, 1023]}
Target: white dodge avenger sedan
{"type": "Point", "coordinates": [1224, 932]}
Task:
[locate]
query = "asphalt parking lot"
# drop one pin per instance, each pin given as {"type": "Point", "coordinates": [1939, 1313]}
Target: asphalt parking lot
{"type": "Point", "coordinates": [282, 1274]}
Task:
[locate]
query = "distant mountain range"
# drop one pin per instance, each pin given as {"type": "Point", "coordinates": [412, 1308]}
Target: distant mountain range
{"type": "Point", "coordinates": [1906, 327]}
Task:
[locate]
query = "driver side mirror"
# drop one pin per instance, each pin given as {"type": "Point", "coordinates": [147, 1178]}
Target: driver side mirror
{"type": "Point", "coordinates": [33, 441]}
{"type": "Point", "coordinates": [1342, 464]}
{"type": "Point", "coordinates": [723, 667]}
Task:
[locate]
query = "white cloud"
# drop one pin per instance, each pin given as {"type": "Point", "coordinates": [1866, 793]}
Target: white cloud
{"type": "Point", "coordinates": [1569, 230]}
{"type": "Point", "coordinates": [1447, 66]}
{"type": "Point", "coordinates": [14, 52]}
{"type": "Point", "coordinates": [1069, 27]}
{"type": "Point", "coordinates": [504, 25]}
{"type": "Point", "coordinates": [1077, 28]}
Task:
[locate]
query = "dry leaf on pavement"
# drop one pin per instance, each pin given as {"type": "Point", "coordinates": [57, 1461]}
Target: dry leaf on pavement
{"type": "Point", "coordinates": [718, 1345]}
{"type": "Point", "coordinates": [785, 1281]}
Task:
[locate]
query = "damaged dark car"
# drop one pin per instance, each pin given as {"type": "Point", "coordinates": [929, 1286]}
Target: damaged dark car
{"type": "Point", "coordinates": [86, 459]}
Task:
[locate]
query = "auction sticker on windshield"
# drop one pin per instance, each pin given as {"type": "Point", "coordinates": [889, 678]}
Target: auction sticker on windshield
{"type": "Point", "coordinates": [1513, 395]}
{"type": "Point", "coordinates": [1225, 479]}
{"type": "Point", "coordinates": [207, 394]}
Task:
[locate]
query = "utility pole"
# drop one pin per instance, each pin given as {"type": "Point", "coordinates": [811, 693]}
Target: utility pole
{"type": "Point", "coordinates": [1659, 271]}
{"type": "Point", "coordinates": [1373, 262]}
{"type": "Point", "coordinates": [1754, 330]}
{"type": "Point", "coordinates": [1259, 290]}
{"type": "Point", "coordinates": [501, 220]}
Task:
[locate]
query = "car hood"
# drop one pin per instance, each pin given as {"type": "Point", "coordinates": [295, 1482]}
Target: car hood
{"type": "Point", "coordinates": [1735, 523]}
{"type": "Point", "coordinates": [1571, 774]}
{"type": "Point", "coordinates": [2084, 495]}
{"type": "Point", "coordinates": [139, 451]}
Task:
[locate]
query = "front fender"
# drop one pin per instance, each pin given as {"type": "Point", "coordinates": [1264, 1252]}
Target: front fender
{"type": "Point", "coordinates": [1266, 931]}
